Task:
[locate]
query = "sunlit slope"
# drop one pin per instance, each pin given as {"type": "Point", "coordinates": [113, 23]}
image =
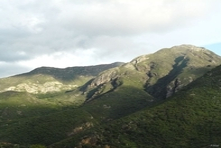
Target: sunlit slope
{"type": "Point", "coordinates": [160, 74]}
{"type": "Point", "coordinates": [191, 118]}
{"type": "Point", "coordinates": [48, 80]}
{"type": "Point", "coordinates": [121, 98]}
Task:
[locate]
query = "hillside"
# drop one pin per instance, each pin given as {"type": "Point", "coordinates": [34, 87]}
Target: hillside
{"type": "Point", "coordinates": [72, 73]}
{"type": "Point", "coordinates": [161, 74]}
{"type": "Point", "coordinates": [53, 85]}
{"type": "Point", "coordinates": [49, 79]}
{"type": "Point", "coordinates": [75, 106]}
{"type": "Point", "coordinates": [191, 118]}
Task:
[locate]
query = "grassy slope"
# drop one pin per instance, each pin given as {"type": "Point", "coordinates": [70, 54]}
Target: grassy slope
{"type": "Point", "coordinates": [69, 78]}
{"type": "Point", "coordinates": [40, 76]}
{"type": "Point", "coordinates": [15, 105]}
{"type": "Point", "coordinates": [178, 62]}
{"type": "Point", "coordinates": [181, 121]}
{"type": "Point", "coordinates": [108, 105]}
{"type": "Point", "coordinates": [72, 73]}
{"type": "Point", "coordinates": [158, 72]}
{"type": "Point", "coordinates": [55, 126]}
{"type": "Point", "coordinates": [111, 103]}
{"type": "Point", "coordinates": [189, 119]}
{"type": "Point", "coordinates": [48, 129]}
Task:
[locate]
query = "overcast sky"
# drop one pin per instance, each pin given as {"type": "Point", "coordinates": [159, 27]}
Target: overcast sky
{"type": "Point", "coordinates": [64, 33]}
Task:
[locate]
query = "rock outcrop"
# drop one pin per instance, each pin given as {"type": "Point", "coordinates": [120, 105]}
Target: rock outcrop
{"type": "Point", "coordinates": [36, 88]}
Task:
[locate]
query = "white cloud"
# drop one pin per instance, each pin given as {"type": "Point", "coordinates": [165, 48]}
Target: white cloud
{"type": "Point", "coordinates": [62, 33]}
{"type": "Point", "coordinates": [61, 59]}
{"type": "Point", "coordinates": [8, 69]}
{"type": "Point", "coordinates": [119, 17]}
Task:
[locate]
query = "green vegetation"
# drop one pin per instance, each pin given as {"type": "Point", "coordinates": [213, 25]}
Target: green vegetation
{"type": "Point", "coordinates": [166, 99]}
{"type": "Point", "coordinates": [161, 74]}
{"type": "Point", "coordinates": [191, 118]}
{"type": "Point", "coordinates": [47, 129]}
{"type": "Point", "coordinates": [72, 73]}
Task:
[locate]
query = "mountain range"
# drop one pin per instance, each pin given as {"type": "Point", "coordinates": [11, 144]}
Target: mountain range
{"type": "Point", "coordinates": [170, 98]}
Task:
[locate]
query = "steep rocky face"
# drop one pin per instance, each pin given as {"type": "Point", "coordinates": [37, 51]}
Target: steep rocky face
{"type": "Point", "coordinates": [163, 73]}
{"type": "Point", "coordinates": [106, 76]}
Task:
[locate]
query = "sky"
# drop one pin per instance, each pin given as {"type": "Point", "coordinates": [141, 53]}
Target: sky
{"type": "Point", "coordinates": [66, 33]}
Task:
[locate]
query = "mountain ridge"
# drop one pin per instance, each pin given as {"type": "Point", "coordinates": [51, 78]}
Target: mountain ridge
{"type": "Point", "coordinates": [63, 73]}
{"type": "Point", "coordinates": [131, 98]}
{"type": "Point", "coordinates": [158, 67]}
{"type": "Point", "coordinates": [50, 79]}
{"type": "Point", "coordinates": [189, 118]}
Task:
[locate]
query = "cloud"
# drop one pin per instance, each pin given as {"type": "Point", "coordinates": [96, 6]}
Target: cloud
{"type": "Point", "coordinates": [121, 17]}
{"type": "Point", "coordinates": [7, 56]}
{"type": "Point", "coordinates": [61, 59]}
{"type": "Point", "coordinates": [74, 32]}
{"type": "Point", "coordinates": [8, 69]}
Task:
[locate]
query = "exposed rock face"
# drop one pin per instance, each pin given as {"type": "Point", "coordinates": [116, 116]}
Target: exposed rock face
{"type": "Point", "coordinates": [49, 79]}
{"type": "Point", "coordinates": [81, 128]}
{"type": "Point", "coordinates": [36, 88]}
{"type": "Point", "coordinates": [176, 86]}
{"type": "Point", "coordinates": [92, 140]}
{"type": "Point", "coordinates": [106, 77]}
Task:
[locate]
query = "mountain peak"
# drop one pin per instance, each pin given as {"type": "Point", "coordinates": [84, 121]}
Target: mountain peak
{"type": "Point", "coordinates": [189, 47]}
{"type": "Point", "coordinates": [81, 105]}
{"type": "Point", "coordinates": [164, 72]}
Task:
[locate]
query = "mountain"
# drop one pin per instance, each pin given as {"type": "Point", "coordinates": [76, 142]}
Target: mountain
{"type": "Point", "coordinates": [54, 86]}
{"type": "Point", "coordinates": [161, 74]}
{"type": "Point", "coordinates": [41, 92]}
{"type": "Point", "coordinates": [82, 107]}
{"type": "Point", "coordinates": [190, 118]}
{"type": "Point", "coordinates": [71, 73]}
{"type": "Point", "coordinates": [49, 79]}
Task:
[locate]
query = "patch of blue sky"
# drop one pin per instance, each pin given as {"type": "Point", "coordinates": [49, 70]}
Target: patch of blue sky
{"type": "Point", "coordinates": [216, 48]}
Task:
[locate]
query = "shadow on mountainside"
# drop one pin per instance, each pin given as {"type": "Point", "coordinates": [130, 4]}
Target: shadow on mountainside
{"type": "Point", "coordinates": [159, 90]}
{"type": "Point", "coordinates": [119, 102]}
